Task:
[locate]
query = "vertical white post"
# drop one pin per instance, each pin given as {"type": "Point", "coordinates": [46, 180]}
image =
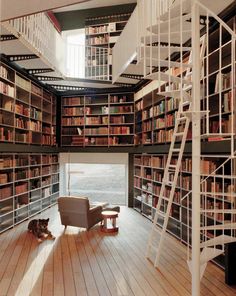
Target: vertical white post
{"type": "Point", "coordinates": [196, 151]}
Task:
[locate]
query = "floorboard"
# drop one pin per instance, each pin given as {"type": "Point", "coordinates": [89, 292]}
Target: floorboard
{"type": "Point", "coordinates": [93, 263]}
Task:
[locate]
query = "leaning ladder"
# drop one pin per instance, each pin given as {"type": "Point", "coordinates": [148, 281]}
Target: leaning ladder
{"type": "Point", "coordinates": [170, 178]}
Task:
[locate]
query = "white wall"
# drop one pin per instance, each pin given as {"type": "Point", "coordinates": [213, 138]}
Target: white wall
{"type": "Point", "coordinates": [91, 158]}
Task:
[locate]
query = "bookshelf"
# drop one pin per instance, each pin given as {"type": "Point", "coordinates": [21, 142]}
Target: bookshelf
{"type": "Point", "coordinates": [148, 174]}
{"type": "Point", "coordinates": [98, 120]}
{"type": "Point", "coordinates": [102, 32]}
{"type": "Point", "coordinates": [26, 110]}
{"type": "Point", "coordinates": [29, 183]}
{"type": "Point", "coordinates": [155, 117]}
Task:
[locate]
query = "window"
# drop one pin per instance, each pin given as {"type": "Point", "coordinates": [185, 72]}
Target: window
{"type": "Point", "coordinates": [99, 182]}
{"type": "Point", "coordinates": [75, 53]}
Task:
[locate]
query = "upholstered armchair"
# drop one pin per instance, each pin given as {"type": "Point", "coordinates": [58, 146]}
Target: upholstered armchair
{"type": "Point", "coordinates": [76, 211]}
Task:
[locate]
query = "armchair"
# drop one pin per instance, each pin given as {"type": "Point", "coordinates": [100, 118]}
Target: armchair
{"type": "Point", "coordinates": [76, 211]}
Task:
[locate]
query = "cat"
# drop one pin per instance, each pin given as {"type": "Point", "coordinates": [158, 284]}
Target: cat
{"type": "Point", "coordinates": [40, 229]}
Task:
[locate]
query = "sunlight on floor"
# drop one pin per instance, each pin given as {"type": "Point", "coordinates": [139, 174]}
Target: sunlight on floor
{"type": "Point", "coordinates": [34, 272]}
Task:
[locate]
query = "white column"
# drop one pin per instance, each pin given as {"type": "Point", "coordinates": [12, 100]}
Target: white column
{"type": "Point", "coordinates": [196, 151]}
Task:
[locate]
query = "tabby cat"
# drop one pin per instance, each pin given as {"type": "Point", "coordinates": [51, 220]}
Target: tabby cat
{"type": "Point", "coordinates": [40, 229]}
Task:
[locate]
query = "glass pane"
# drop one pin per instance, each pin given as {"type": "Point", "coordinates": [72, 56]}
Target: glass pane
{"type": "Point", "coordinates": [99, 182]}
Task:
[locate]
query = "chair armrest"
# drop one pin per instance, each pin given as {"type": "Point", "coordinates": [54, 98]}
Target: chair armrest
{"type": "Point", "coordinates": [95, 209]}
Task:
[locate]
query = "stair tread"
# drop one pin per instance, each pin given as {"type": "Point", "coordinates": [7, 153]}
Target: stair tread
{"type": "Point", "coordinates": [175, 10]}
{"type": "Point", "coordinates": [175, 37]}
{"type": "Point", "coordinates": [208, 254]}
{"type": "Point", "coordinates": [219, 240]}
{"type": "Point", "coordinates": [174, 22]}
{"type": "Point", "coordinates": [227, 211]}
{"type": "Point", "coordinates": [175, 94]}
{"type": "Point", "coordinates": [167, 77]}
{"type": "Point", "coordinates": [166, 63]}
{"type": "Point", "coordinates": [219, 226]}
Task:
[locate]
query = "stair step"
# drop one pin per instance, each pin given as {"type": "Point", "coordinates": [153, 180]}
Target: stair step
{"type": "Point", "coordinates": [219, 226]}
{"type": "Point", "coordinates": [171, 64]}
{"type": "Point", "coordinates": [175, 94]}
{"type": "Point", "coordinates": [175, 10]}
{"type": "Point", "coordinates": [173, 37]}
{"type": "Point", "coordinates": [208, 254]}
{"type": "Point", "coordinates": [216, 135]}
{"type": "Point", "coordinates": [167, 77]}
{"type": "Point", "coordinates": [219, 240]}
{"type": "Point", "coordinates": [174, 22]}
{"type": "Point", "coordinates": [163, 49]}
{"type": "Point", "coordinates": [219, 211]}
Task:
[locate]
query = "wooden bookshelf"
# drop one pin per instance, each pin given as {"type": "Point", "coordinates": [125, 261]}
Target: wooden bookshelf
{"type": "Point", "coordinates": [26, 110]}
{"type": "Point", "coordinates": [29, 183]}
{"type": "Point", "coordinates": [102, 32]}
{"type": "Point", "coordinates": [98, 120]}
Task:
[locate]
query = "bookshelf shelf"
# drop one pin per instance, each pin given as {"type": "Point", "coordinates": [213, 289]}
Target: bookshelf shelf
{"type": "Point", "coordinates": [104, 120]}
{"type": "Point", "coordinates": [22, 114]}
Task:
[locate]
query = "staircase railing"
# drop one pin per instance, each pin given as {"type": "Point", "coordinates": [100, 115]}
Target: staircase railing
{"type": "Point", "coordinates": [39, 34]}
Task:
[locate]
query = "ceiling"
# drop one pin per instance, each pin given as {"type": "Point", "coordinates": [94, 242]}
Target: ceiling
{"type": "Point", "coordinates": [93, 4]}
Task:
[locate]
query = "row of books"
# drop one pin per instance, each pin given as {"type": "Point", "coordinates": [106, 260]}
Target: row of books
{"type": "Point", "coordinates": [46, 181]}
{"type": "Point", "coordinates": [21, 188]}
{"type": "Point", "coordinates": [7, 89]}
{"type": "Point", "coordinates": [73, 101]}
{"type": "Point", "coordinates": [6, 104]}
{"type": "Point", "coordinates": [23, 83]}
{"type": "Point", "coordinates": [6, 177]}
{"type": "Point", "coordinates": [73, 111]}
{"type": "Point", "coordinates": [35, 114]}
{"type": "Point", "coordinates": [34, 126]}
{"type": "Point", "coordinates": [22, 110]}
{"type": "Point", "coordinates": [21, 174]}
{"type": "Point", "coordinates": [46, 170]}
{"type": "Point", "coordinates": [6, 162]}
{"type": "Point", "coordinates": [6, 192]}
{"type": "Point", "coordinates": [147, 126]}
{"type": "Point", "coordinates": [6, 134]}
{"type": "Point", "coordinates": [118, 99]}
{"type": "Point", "coordinates": [120, 130]}
{"type": "Point", "coordinates": [4, 72]}
{"type": "Point", "coordinates": [223, 81]}
{"type": "Point", "coordinates": [96, 131]}
{"type": "Point", "coordinates": [97, 29]}
{"type": "Point", "coordinates": [98, 40]}
{"type": "Point", "coordinates": [6, 120]}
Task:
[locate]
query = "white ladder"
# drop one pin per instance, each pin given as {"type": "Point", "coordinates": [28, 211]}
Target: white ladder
{"type": "Point", "coordinates": [164, 204]}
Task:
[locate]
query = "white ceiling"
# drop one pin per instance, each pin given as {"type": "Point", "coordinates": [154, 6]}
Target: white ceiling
{"type": "Point", "coordinates": [94, 4]}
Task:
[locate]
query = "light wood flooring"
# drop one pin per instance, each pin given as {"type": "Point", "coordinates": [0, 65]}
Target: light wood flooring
{"type": "Point", "coordinates": [92, 263]}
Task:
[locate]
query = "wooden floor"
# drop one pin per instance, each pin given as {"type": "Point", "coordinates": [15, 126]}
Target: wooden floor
{"type": "Point", "coordinates": [93, 263]}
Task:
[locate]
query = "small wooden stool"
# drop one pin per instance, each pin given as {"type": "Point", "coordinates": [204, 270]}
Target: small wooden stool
{"type": "Point", "coordinates": [109, 227]}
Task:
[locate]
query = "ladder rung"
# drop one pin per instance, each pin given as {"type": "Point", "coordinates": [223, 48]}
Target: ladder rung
{"type": "Point", "coordinates": [165, 198]}
{"type": "Point", "coordinates": [160, 213]}
{"type": "Point", "coordinates": [176, 149]}
{"type": "Point", "coordinates": [172, 166]}
{"type": "Point", "coordinates": [181, 118]}
{"type": "Point", "coordinates": [179, 134]}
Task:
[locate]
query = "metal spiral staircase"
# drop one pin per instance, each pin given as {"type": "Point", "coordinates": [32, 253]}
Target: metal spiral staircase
{"type": "Point", "coordinates": [176, 51]}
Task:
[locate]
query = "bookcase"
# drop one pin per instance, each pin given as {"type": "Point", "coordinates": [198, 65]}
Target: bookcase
{"type": "Point", "coordinates": [102, 32]}
{"type": "Point", "coordinates": [148, 174]}
{"type": "Point", "coordinates": [29, 183]}
{"type": "Point", "coordinates": [98, 120]}
{"type": "Point", "coordinates": [26, 110]}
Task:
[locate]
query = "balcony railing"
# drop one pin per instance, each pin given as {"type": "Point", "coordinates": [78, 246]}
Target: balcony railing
{"type": "Point", "coordinates": [87, 62]}
{"type": "Point", "coordinates": [39, 34]}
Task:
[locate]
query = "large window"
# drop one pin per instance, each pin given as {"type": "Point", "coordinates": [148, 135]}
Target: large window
{"type": "Point", "coordinates": [99, 182]}
{"type": "Point", "coordinates": [75, 53]}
